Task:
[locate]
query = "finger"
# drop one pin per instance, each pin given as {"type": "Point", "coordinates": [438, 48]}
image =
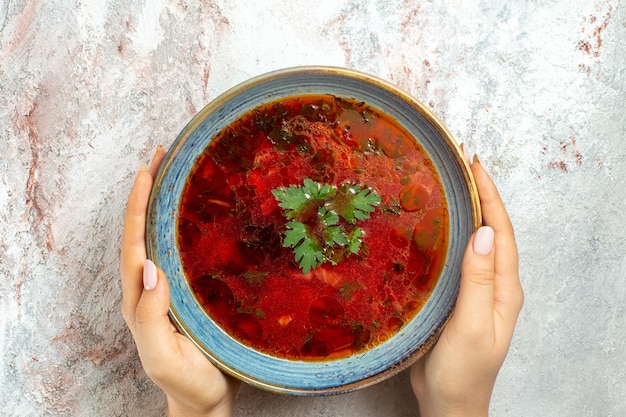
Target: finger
{"type": "Point", "coordinates": [133, 247]}
{"type": "Point", "coordinates": [508, 291]}
{"type": "Point", "coordinates": [495, 215]}
{"type": "Point", "coordinates": [476, 293]}
{"type": "Point", "coordinates": [153, 333]}
{"type": "Point", "coordinates": [157, 158]}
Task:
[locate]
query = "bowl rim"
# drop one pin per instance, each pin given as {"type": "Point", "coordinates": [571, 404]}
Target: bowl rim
{"type": "Point", "coordinates": [219, 102]}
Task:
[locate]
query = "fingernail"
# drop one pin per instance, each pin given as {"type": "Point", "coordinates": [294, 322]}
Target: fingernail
{"type": "Point", "coordinates": [483, 241]}
{"type": "Point", "coordinates": [142, 168]}
{"type": "Point", "coordinates": [153, 153]}
{"type": "Point", "coordinates": [476, 159]}
{"type": "Point", "coordinates": [469, 160]}
{"type": "Point", "coordinates": [149, 275]}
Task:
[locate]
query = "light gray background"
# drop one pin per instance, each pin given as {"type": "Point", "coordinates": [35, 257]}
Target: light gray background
{"type": "Point", "coordinates": [88, 88]}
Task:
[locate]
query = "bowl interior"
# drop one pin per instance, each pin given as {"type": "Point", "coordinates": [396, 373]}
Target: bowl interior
{"type": "Point", "coordinates": [319, 377]}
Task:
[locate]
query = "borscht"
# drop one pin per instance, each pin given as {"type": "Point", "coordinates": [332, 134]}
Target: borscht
{"type": "Point", "coordinates": [312, 228]}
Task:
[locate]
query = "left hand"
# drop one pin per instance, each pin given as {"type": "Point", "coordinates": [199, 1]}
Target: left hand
{"type": "Point", "coordinates": [193, 386]}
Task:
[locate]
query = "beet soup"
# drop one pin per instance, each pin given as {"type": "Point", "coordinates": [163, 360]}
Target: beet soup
{"type": "Point", "coordinates": [312, 228]}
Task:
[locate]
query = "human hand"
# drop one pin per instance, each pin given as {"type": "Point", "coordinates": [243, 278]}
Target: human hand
{"type": "Point", "coordinates": [456, 377]}
{"type": "Point", "coordinates": [193, 386]}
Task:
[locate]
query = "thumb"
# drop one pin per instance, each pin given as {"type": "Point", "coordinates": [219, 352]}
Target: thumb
{"type": "Point", "coordinates": [153, 330]}
{"type": "Point", "coordinates": [475, 300]}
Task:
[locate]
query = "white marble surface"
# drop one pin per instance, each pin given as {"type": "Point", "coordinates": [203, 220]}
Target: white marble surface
{"type": "Point", "coordinates": [88, 88]}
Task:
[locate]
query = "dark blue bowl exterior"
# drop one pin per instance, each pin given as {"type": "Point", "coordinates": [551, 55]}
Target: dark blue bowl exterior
{"type": "Point", "coordinates": [323, 377]}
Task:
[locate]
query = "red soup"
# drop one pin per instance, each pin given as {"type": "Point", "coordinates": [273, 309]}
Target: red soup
{"type": "Point", "coordinates": [313, 227]}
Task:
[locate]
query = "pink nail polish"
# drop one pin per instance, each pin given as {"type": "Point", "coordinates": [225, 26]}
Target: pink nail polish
{"type": "Point", "coordinates": [483, 241]}
{"type": "Point", "coordinates": [156, 149]}
{"type": "Point", "coordinates": [149, 275]}
{"type": "Point", "coordinates": [469, 160]}
{"type": "Point", "coordinates": [478, 160]}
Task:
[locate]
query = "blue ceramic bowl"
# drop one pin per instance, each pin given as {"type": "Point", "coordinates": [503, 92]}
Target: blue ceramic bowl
{"type": "Point", "coordinates": [318, 377]}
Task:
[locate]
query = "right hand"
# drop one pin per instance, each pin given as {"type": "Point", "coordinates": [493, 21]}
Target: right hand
{"type": "Point", "coordinates": [456, 377]}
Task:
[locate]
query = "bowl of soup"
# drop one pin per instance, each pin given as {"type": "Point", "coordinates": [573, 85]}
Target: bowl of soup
{"type": "Point", "coordinates": [312, 222]}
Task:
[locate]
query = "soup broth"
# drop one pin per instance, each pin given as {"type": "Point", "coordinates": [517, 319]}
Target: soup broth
{"type": "Point", "coordinates": [231, 229]}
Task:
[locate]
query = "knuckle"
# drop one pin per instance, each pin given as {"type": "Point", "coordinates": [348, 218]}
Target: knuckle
{"type": "Point", "coordinates": [481, 275]}
{"type": "Point", "coordinates": [142, 314]}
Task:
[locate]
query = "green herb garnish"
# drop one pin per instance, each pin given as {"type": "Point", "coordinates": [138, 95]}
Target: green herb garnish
{"type": "Point", "coordinates": [322, 220]}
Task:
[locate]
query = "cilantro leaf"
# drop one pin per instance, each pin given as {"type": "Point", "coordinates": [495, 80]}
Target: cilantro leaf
{"type": "Point", "coordinates": [353, 203]}
{"type": "Point", "coordinates": [290, 199]}
{"type": "Point", "coordinates": [330, 218]}
{"type": "Point", "coordinates": [316, 191]}
{"type": "Point", "coordinates": [336, 236]}
{"type": "Point", "coordinates": [295, 233]}
{"type": "Point", "coordinates": [315, 212]}
{"type": "Point", "coordinates": [355, 239]}
{"type": "Point", "coordinates": [364, 203]}
{"type": "Point", "coordinates": [307, 252]}
{"type": "Point", "coordinates": [298, 202]}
